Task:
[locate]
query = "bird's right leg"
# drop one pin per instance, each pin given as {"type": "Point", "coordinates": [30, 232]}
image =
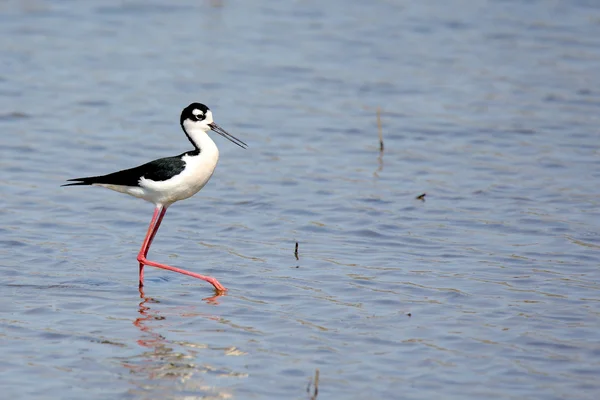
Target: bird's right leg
{"type": "Point", "coordinates": [159, 213]}
{"type": "Point", "coordinates": [156, 226]}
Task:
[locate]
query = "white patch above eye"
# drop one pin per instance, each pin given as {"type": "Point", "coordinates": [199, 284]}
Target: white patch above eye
{"type": "Point", "coordinates": [197, 113]}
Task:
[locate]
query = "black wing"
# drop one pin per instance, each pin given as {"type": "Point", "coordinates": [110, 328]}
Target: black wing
{"type": "Point", "coordinates": [157, 170]}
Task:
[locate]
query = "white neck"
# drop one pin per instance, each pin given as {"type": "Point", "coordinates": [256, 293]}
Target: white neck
{"type": "Point", "coordinates": [200, 139]}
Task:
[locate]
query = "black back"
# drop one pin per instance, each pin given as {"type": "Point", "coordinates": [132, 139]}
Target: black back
{"type": "Point", "coordinates": [158, 170]}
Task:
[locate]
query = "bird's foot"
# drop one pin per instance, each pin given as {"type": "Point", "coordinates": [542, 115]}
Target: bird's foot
{"type": "Point", "coordinates": [218, 287]}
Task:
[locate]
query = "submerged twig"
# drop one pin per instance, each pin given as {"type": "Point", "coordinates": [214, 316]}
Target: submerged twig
{"type": "Point", "coordinates": [381, 147]}
{"type": "Point", "coordinates": [296, 251]}
{"type": "Point", "coordinates": [316, 386]}
{"type": "Point", "coordinates": [379, 130]}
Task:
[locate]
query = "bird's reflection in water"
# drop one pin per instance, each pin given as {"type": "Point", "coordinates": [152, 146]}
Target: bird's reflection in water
{"type": "Point", "coordinates": [153, 340]}
{"type": "Point", "coordinates": [214, 299]}
{"type": "Point", "coordinates": [379, 165]}
{"type": "Point", "coordinates": [169, 367]}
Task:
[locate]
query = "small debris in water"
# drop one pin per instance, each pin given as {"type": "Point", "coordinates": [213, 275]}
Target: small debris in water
{"type": "Point", "coordinates": [379, 130]}
{"type": "Point", "coordinates": [316, 385]}
{"type": "Point", "coordinates": [12, 116]}
{"type": "Point", "coordinates": [109, 342]}
{"type": "Point", "coordinates": [421, 197]}
{"type": "Point", "coordinates": [296, 252]}
{"type": "Point", "coordinates": [409, 314]}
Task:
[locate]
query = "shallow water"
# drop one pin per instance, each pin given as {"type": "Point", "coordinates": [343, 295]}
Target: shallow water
{"type": "Point", "coordinates": [488, 288]}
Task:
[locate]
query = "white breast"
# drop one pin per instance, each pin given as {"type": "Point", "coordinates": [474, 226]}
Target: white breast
{"type": "Point", "coordinates": [197, 172]}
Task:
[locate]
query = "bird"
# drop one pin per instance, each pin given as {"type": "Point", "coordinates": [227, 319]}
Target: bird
{"type": "Point", "coordinates": [167, 180]}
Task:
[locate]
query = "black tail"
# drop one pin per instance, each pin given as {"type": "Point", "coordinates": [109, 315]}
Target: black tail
{"type": "Point", "coordinates": [82, 181]}
{"type": "Point", "coordinates": [127, 177]}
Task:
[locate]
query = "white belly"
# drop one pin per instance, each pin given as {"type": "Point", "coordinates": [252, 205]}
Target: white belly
{"type": "Point", "coordinates": [197, 173]}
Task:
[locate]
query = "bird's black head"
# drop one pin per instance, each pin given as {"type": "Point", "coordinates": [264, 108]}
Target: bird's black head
{"type": "Point", "coordinates": [194, 112]}
{"type": "Point", "coordinates": [197, 118]}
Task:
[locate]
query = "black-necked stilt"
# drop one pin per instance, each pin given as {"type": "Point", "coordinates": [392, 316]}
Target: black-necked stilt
{"type": "Point", "coordinates": [167, 180]}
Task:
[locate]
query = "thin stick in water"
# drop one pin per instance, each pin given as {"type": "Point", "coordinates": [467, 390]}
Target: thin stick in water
{"type": "Point", "coordinates": [296, 251]}
{"type": "Point", "coordinates": [316, 391]}
{"type": "Point", "coordinates": [379, 129]}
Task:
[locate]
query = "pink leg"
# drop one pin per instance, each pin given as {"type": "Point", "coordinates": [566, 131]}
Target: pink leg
{"type": "Point", "coordinates": [152, 229]}
{"type": "Point", "coordinates": [146, 244]}
{"type": "Point", "coordinates": [156, 226]}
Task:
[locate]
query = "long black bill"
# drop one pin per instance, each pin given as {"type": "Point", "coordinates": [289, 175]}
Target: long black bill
{"type": "Point", "coordinates": [226, 135]}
